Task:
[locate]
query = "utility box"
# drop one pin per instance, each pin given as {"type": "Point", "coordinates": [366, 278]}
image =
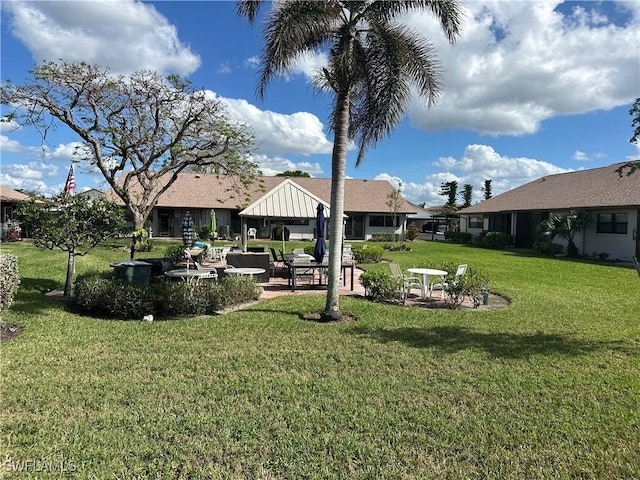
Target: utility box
{"type": "Point", "coordinates": [133, 271]}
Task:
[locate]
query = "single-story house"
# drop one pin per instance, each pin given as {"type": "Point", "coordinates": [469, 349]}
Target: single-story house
{"type": "Point", "coordinates": [365, 204]}
{"type": "Point", "coordinates": [612, 200]}
{"type": "Point", "coordinates": [9, 198]}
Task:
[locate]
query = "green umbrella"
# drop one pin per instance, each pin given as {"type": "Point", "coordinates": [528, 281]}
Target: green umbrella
{"type": "Point", "coordinates": [214, 226]}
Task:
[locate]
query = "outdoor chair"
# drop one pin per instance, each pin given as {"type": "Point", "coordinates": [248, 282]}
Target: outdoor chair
{"type": "Point", "coordinates": [461, 270]}
{"type": "Point", "coordinates": [252, 233]}
{"type": "Point", "coordinates": [407, 282]}
{"type": "Point", "coordinates": [277, 263]}
{"type": "Point", "coordinates": [213, 273]}
{"type": "Point", "coordinates": [636, 263]}
{"type": "Point", "coordinates": [308, 273]}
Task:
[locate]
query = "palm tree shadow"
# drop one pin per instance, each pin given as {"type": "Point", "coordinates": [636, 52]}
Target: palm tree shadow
{"type": "Point", "coordinates": [447, 340]}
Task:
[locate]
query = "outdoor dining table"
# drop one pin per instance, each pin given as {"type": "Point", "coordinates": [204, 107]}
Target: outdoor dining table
{"type": "Point", "coordinates": [312, 265]}
{"type": "Point", "coordinates": [426, 273]}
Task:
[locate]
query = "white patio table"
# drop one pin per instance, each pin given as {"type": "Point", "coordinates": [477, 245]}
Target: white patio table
{"type": "Point", "coordinates": [426, 273]}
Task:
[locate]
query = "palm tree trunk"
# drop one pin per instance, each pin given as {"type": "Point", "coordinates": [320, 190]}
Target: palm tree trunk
{"type": "Point", "coordinates": [338, 168]}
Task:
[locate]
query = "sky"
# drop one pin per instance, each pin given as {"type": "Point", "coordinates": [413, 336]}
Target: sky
{"type": "Point", "coordinates": [530, 88]}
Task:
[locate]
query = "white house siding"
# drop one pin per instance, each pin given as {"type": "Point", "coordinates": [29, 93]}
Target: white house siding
{"type": "Point", "coordinates": [618, 246]}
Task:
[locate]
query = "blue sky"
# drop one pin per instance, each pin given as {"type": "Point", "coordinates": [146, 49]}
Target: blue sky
{"type": "Point", "coordinates": [531, 88]}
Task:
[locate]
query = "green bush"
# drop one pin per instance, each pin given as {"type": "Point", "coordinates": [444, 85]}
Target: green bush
{"type": "Point", "coordinates": [100, 295]}
{"type": "Point", "coordinates": [175, 253]}
{"type": "Point", "coordinates": [473, 284]}
{"type": "Point", "coordinates": [458, 237]}
{"type": "Point", "coordinates": [412, 232]}
{"type": "Point", "coordinates": [493, 240]}
{"type": "Point", "coordinates": [398, 247]}
{"type": "Point", "coordinates": [9, 279]}
{"type": "Point", "coordinates": [381, 286]}
{"type": "Point", "coordinates": [385, 237]}
{"type": "Point", "coordinates": [546, 247]}
{"type": "Point", "coordinates": [205, 232]}
{"type": "Point", "coordinates": [364, 253]}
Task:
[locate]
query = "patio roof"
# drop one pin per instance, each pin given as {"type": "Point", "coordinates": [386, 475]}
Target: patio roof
{"type": "Point", "coordinates": [287, 200]}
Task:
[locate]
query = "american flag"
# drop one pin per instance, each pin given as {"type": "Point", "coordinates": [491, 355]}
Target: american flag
{"type": "Point", "coordinates": [70, 185]}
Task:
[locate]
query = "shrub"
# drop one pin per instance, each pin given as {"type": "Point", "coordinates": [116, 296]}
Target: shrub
{"type": "Point", "coordinates": [364, 253]}
{"type": "Point", "coordinates": [546, 247]}
{"type": "Point", "coordinates": [473, 284]}
{"type": "Point", "coordinates": [385, 237]}
{"type": "Point", "coordinates": [381, 286]}
{"type": "Point", "coordinates": [175, 253]}
{"type": "Point", "coordinates": [100, 295]}
{"type": "Point", "coordinates": [412, 232]}
{"type": "Point", "coordinates": [398, 247]}
{"type": "Point", "coordinates": [493, 240]}
{"type": "Point", "coordinates": [205, 232]}
{"type": "Point", "coordinates": [9, 279]}
{"type": "Point", "coordinates": [458, 237]}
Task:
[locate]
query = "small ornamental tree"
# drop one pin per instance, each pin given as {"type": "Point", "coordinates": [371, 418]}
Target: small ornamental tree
{"type": "Point", "coordinates": [73, 224]}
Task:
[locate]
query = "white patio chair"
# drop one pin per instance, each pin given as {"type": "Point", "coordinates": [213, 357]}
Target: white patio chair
{"type": "Point", "coordinates": [461, 270]}
{"type": "Point", "coordinates": [213, 273]}
{"type": "Point", "coordinates": [408, 282]}
{"type": "Point", "coordinates": [252, 233]}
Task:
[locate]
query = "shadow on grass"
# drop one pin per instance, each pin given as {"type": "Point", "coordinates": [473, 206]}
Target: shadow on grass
{"type": "Point", "coordinates": [497, 345]}
{"type": "Point", "coordinates": [31, 297]}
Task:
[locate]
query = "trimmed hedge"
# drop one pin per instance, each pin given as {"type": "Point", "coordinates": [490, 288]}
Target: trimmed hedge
{"type": "Point", "coordinates": [98, 294]}
{"type": "Point", "coordinates": [364, 253]}
{"type": "Point", "coordinates": [9, 279]}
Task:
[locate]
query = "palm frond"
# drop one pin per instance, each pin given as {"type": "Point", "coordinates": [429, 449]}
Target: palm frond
{"type": "Point", "coordinates": [293, 28]}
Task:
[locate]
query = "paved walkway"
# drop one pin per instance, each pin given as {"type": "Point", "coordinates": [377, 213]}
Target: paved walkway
{"type": "Point", "coordinates": [278, 286]}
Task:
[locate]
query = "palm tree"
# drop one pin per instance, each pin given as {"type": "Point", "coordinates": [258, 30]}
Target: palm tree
{"type": "Point", "coordinates": [565, 226]}
{"type": "Point", "coordinates": [373, 63]}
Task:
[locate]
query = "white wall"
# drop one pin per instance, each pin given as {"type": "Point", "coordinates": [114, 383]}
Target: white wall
{"type": "Point", "coordinates": [618, 246]}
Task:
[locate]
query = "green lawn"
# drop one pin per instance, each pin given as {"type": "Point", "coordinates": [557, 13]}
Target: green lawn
{"type": "Point", "coordinates": [547, 388]}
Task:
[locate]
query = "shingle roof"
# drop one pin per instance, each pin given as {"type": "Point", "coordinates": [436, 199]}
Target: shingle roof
{"type": "Point", "coordinates": [11, 195]}
{"type": "Point", "coordinates": [192, 190]}
{"type": "Point", "coordinates": [597, 187]}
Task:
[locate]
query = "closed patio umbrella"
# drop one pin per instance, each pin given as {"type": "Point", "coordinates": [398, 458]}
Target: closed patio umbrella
{"type": "Point", "coordinates": [214, 224]}
{"type": "Point", "coordinates": [187, 229]}
{"type": "Point", "coordinates": [321, 246]}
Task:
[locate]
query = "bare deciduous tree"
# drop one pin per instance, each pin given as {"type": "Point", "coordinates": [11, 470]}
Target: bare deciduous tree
{"type": "Point", "coordinates": [140, 131]}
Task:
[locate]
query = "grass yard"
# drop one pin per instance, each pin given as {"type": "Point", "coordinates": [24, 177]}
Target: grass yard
{"type": "Point", "coordinates": [546, 388]}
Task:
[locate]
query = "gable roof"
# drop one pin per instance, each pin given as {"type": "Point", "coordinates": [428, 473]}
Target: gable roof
{"type": "Point", "coordinates": [11, 195]}
{"type": "Point", "coordinates": [192, 190]}
{"type": "Point", "coordinates": [287, 200]}
{"type": "Point", "coordinates": [597, 187]}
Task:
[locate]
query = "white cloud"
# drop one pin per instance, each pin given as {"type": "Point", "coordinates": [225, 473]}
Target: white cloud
{"type": "Point", "coordinates": [580, 156]}
{"type": "Point", "coordinates": [125, 35]}
{"type": "Point", "coordinates": [278, 133]}
{"type": "Point", "coordinates": [273, 165]}
{"type": "Point", "coordinates": [9, 126]}
{"type": "Point", "coordinates": [519, 63]}
{"type": "Point", "coordinates": [9, 145]}
{"type": "Point", "coordinates": [477, 164]}
{"type": "Point", "coordinates": [30, 177]}
{"type": "Point", "coordinates": [224, 69]}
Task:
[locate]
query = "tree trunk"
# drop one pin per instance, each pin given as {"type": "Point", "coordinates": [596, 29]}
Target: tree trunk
{"type": "Point", "coordinates": [338, 166]}
{"type": "Point", "coordinates": [71, 267]}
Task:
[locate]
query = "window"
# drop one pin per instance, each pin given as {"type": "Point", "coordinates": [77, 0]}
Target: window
{"type": "Point", "coordinates": [612, 223]}
{"type": "Point", "coordinates": [383, 221]}
{"type": "Point", "coordinates": [475, 222]}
